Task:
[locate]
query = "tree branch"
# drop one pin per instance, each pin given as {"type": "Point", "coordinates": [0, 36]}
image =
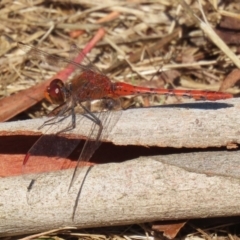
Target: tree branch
{"type": "Point", "coordinates": [177, 186]}
{"type": "Point", "coordinates": [192, 125]}
{"type": "Point", "coordinates": [147, 189]}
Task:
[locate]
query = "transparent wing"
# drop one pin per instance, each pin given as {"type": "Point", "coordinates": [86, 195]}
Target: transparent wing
{"type": "Point", "coordinates": [57, 148]}
{"type": "Point", "coordinates": [48, 154]}
{"type": "Point", "coordinates": [76, 55]}
{"type": "Point", "coordinates": [102, 124]}
{"type": "Point", "coordinates": [50, 151]}
{"type": "Point", "coordinates": [75, 51]}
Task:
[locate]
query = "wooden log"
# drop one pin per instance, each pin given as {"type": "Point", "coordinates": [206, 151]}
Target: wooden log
{"type": "Point", "coordinates": [178, 186]}
{"type": "Point", "coordinates": [193, 185]}
{"type": "Point", "coordinates": [192, 125]}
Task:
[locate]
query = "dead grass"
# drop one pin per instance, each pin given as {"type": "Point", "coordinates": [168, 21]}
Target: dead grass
{"type": "Point", "coordinates": [132, 50]}
{"type": "Point", "coordinates": [154, 43]}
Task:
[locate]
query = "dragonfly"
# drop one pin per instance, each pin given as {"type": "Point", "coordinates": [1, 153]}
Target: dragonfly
{"type": "Point", "coordinates": [88, 85]}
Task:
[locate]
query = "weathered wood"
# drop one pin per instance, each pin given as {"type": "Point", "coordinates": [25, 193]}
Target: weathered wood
{"type": "Point", "coordinates": [153, 188]}
{"type": "Point", "coordinates": [192, 125]}
{"type": "Point", "coordinates": [193, 185]}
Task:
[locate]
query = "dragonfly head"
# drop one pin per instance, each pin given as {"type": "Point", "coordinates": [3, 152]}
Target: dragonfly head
{"type": "Point", "coordinates": [56, 92]}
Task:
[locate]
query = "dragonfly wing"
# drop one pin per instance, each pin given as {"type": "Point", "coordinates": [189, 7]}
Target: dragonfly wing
{"type": "Point", "coordinates": [75, 51]}
{"type": "Point", "coordinates": [101, 125]}
{"type": "Point", "coordinates": [76, 55]}
{"type": "Point", "coordinates": [50, 151]}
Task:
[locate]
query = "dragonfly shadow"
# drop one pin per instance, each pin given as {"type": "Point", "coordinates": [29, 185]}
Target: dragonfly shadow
{"type": "Point", "coordinates": [198, 105]}
{"type": "Point", "coordinates": [79, 192]}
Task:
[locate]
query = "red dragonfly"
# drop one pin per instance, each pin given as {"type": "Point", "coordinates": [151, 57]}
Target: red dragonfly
{"type": "Point", "coordinates": [89, 85]}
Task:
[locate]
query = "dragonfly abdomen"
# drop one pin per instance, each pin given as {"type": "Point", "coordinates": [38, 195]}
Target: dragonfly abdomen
{"type": "Point", "coordinates": [124, 89]}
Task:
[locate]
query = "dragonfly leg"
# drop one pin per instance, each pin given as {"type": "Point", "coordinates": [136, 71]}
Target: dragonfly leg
{"type": "Point", "coordinates": [65, 112]}
{"type": "Point", "coordinates": [73, 125]}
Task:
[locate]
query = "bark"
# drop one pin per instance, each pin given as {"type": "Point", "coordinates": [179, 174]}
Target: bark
{"type": "Point", "coordinates": [193, 185]}
{"type": "Point", "coordinates": [192, 125]}
{"type": "Point", "coordinates": [177, 186]}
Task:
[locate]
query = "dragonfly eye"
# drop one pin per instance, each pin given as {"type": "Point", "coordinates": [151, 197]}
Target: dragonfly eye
{"type": "Point", "coordinates": [54, 93]}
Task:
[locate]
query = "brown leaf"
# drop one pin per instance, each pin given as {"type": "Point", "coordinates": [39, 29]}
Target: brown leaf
{"type": "Point", "coordinates": [170, 229]}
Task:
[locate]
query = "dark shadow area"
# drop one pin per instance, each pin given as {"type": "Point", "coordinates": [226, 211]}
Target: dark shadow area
{"type": "Point", "coordinates": [107, 152]}
{"type": "Point", "coordinates": [198, 105]}
{"type": "Point", "coordinates": [16, 144]}
{"type": "Point", "coordinates": [220, 226]}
